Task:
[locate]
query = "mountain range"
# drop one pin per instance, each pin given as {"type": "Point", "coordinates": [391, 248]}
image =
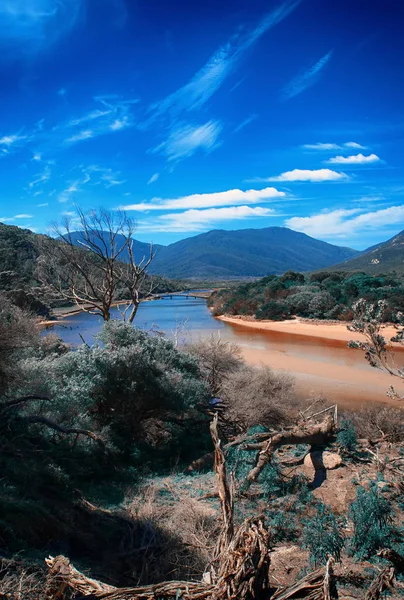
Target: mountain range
{"type": "Point", "coordinates": [246, 253]}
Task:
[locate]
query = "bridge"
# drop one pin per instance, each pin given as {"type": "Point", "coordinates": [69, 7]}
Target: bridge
{"type": "Point", "coordinates": [184, 294]}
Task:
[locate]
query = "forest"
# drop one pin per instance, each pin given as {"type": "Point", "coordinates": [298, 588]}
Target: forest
{"type": "Point", "coordinates": [319, 295]}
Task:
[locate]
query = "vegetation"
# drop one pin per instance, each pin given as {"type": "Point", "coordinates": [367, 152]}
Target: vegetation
{"type": "Point", "coordinates": [106, 460]}
{"type": "Point", "coordinates": [322, 295]}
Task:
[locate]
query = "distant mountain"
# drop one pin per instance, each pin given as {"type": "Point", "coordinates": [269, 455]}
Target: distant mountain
{"type": "Point", "coordinates": [246, 252]}
{"type": "Point", "coordinates": [382, 258]}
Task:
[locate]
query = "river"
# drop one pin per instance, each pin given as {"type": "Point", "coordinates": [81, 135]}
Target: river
{"type": "Point", "coordinates": [320, 367]}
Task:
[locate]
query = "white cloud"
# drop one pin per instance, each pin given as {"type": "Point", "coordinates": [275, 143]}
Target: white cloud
{"type": "Point", "coordinates": [115, 115]}
{"type": "Point", "coordinates": [42, 205]}
{"type": "Point", "coordinates": [37, 156]}
{"type": "Point", "coordinates": [119, 124]}
{"type": "Point", "coordinates": [332, 146]}
{"type": "Point", "coordinates": [200, 220]}
{"type": "Point", "coordinates": [342, 223]}
{"type": "Point", "coordinates": [354, 145]}
{"type": "Point", "coordinates": [153, 178]}
{"type": "Point", "coordinates": [78, 137]}
{"type": "Point", "coordinates": [322, 146]}
{"type": "Point", "coordinates": [315, 175]}
{"type": "Point", "coordinates": [10, 140]}
{"type": "Point", "coordinates": [302, 82]}
{"type": "Point", "coordinates": [185, 140]}
{"type": "Point", "coordinates": [214, 199]}
{"type": "Point", "coordinates": [209, 79]}
{"type": "Point", "coordinates": [357, 159]}
{"type": "Point", "coordinates": [71, 189]}
{"type": "Point", "coordinates": [41, 177]}
{"type": "Point", "coordinates": [11, 219]}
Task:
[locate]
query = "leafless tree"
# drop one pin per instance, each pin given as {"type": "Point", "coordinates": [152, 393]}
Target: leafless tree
{"type": "Point", "coordinates": [99, 267]}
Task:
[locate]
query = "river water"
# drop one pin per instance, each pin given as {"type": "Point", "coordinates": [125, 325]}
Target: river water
{"type": "Point", "coordinates": [319, 366]}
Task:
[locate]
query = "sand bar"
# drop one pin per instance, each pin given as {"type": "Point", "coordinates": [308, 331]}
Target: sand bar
{"type": "Point", "coordinates": [332, 331]}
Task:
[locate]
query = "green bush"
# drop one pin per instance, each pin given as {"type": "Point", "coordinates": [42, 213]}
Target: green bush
{"type": "Point", "coordinates": [371, 515]}
{"type": "Point", "coordinates": [347, 437]}
{"type": "Point", "coordinates": [322, 536]}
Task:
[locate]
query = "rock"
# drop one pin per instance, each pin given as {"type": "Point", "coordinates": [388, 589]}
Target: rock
{"type": "Point", "coordinates": [322, 460]}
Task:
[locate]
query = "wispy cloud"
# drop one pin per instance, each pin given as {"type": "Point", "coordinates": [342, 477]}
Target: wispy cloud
{"type": "Point", "coordinates": [42, 177]}
{"type": "Point", "coordinates": [86, 134]}
{"type": "Point", "coordinates": [214, 199]}
{"type": "Point", "coordinates": [115, 115]}
{"type": "Point", "coordinates": [30, 26]}
{"type": "Point", "coordinates": [200, 220]}
{"type": "Point", "coordinates": [305, 80]}
{"type": "Point", "coordinates": [331, 146]}
{"type": "Point", "coordinates": [153, 178]}
{"type": "Point", "coordinates": [66, 194]}
{"type": "Point", "coordinates": [208, 80]}
{"type": "Point", "coordinates": [43, 205]}
{"type": "Point", "coordinates": [342, 223]}
{"type": "Point", "coordinates": [246, 122]}
{"type": "Point", "coordinates": [313, 175]}
{"type": "Point", "coordinates": [357, 159]}
{"type": "Point", "coordinates": [187, 139]}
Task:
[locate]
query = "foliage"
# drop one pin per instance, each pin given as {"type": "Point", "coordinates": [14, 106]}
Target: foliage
{"type": "Point", "coordinates": [322, 536]}
{"type": "Point", "coordinates": [371, 515]}
{"type": "Point", "coordinates": [347, 437]}
{"type": "Point", "coordinates": [322, 295]}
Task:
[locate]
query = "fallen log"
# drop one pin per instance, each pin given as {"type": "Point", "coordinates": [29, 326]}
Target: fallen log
{"type": "Point", "coordinates": [318, 434]}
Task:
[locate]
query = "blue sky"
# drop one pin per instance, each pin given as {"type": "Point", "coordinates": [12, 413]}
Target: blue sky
{"type": "Point", "coordinates": [205, 115]}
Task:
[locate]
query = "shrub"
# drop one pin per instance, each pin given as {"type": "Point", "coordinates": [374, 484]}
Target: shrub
{"type": "Point", "coordinates": [274, 310]}
{"type": "Point", "coordinates": [258, 395]}
{"type": "Point", "coordinates": [371, 515]}
{"type": "Point", "coordinates": [347, 437]}
{"type": "Point", "coordinates": [322, 536]}
{"type": "Point", "coordinates": [217, 360]}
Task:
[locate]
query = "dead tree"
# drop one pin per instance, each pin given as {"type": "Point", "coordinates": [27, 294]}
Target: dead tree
{"type": "Point", "coordinates": [92, 262]}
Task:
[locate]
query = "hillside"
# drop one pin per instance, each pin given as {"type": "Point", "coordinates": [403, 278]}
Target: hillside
{"type": "Point", "coordinates": [382, 258]}
{"type": "Point", "coordinates": [20, 250]}
{"type": "Point", "coordinates": [246, 252]}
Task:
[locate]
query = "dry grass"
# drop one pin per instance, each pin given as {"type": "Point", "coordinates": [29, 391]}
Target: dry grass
{"type": "Point", "coordinates": [21, 581]}
{"type": "Point", "coordinates": [187, 525]}
{"type": "Point", "coordinates": [379, 423]}
{"type": "Point", "coordinates": [259, 395]}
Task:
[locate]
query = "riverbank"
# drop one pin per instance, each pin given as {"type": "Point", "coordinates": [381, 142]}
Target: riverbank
{"type": "Point", "coordinates": [326, 331]}
{"type": "Point", "coordinates": [317, 356]}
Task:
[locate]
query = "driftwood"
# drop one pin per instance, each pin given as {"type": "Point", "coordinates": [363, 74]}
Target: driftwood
{"type": "Point", "coordinates": [318, 434]}
{"type": "Point", "coordinates": [318, 585]}
{"type": "Point", "coordinates": [384, 581]}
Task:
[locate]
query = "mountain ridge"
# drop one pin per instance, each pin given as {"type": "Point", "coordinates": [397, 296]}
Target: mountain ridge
{"type": "Point", "coordinates": [246, 252]}
{"type": "Point", "coordinates": [384, 257]}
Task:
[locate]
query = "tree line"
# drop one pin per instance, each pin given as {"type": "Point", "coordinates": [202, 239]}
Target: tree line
{"type": "Point", "coordinates": [320, 295]}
